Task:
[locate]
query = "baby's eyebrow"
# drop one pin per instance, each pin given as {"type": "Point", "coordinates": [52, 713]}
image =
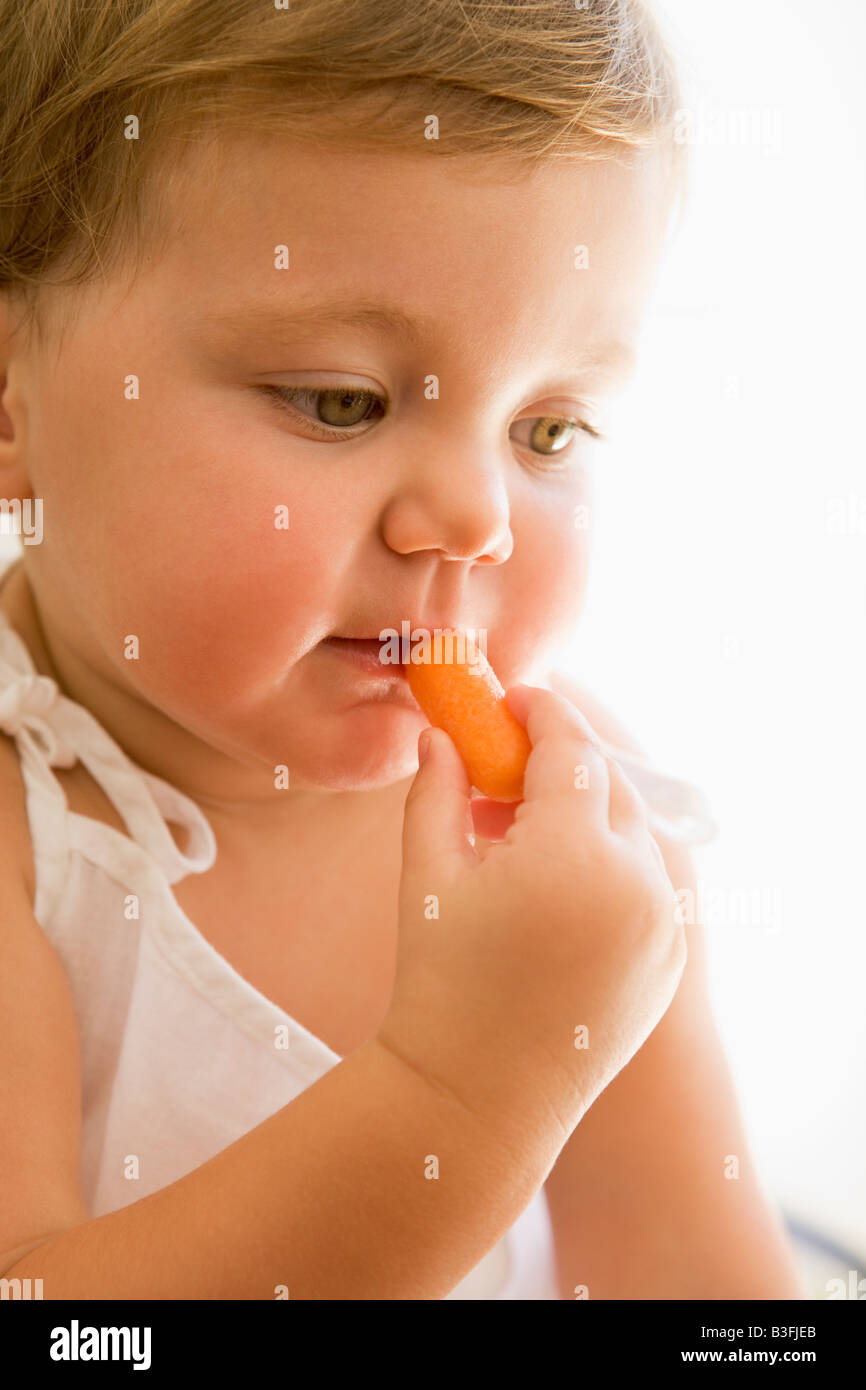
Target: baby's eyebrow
{"type": "Point", "coordinates": [269, 317]}
{"type": "Point", "coordinates": [615, 357]}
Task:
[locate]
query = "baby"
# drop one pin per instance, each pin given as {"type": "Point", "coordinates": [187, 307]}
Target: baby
{"type": "Point", "coordinates": [311, 320]}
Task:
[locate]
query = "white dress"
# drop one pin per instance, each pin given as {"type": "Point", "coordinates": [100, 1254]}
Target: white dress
{"type": "Point", "coordinates": [179, 1053]}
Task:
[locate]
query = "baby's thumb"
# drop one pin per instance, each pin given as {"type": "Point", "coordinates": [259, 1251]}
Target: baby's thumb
{"type": "Point", "coordinates": [437, 820]}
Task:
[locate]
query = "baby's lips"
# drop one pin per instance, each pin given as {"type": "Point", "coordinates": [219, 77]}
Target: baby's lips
{"type": "Point", "coordinates": [466, 699]}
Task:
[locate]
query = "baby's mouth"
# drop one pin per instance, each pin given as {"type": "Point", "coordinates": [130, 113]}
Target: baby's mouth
{"type": "Point", "coordinates": [365, 654]}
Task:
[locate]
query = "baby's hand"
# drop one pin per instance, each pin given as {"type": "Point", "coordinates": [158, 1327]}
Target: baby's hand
{"type": "Point", "coordinates": [525, 982]}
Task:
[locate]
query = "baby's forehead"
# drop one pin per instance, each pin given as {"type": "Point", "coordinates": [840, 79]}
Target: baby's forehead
{"type": "Point", "coordinates": [237, 199]}
{"type": "Point", "coordinates": [237, 160]}
{"type": "Point", "coordinates": [249, 236]}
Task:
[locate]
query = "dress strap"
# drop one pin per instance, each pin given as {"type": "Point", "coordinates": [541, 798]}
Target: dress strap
{"type": "Point", "coordinates": [676, 808]}
{"type": "Point", "coordinates": [53, 731]}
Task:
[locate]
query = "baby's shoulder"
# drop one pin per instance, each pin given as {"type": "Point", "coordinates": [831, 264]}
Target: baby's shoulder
{"type": "Point", "coordinates": [14, 823]}
{"type": "Point", "coordinates": [677, 857]}
{"type": "Point", "coordinates": [606, 724]}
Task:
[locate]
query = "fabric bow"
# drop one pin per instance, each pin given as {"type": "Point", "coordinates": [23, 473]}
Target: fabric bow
{"type": "Point", "coordinates": [25, 699]}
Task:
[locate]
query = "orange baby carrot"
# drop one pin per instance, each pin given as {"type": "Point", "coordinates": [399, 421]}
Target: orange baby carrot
{"type": "Point", "coordinates": [465, 698]}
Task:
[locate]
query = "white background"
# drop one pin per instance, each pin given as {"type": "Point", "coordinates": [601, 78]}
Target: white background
{"type": "Point", "coordinates": [727, 608]}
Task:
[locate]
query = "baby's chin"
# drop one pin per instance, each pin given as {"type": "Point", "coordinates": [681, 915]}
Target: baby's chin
{"type": "Point", "coordinates": [353, 777]}
{"type": "Point", "coordinates": [369, 747]}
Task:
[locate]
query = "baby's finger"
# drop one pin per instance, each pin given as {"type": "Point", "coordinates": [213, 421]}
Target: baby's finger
{"type": "Point", "coordinates": [566, 775]}
{"type": "Point", "coordinates": [628, 812]}
{"type": "Point", "coordinates": [436, 820]}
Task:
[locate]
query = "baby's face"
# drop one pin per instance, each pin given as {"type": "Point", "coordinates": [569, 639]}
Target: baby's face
{"type": "Point", "coordinates": [444, 501]}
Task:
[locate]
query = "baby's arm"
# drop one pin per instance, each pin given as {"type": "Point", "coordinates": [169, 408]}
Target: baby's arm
{"type": "Point", "coordinates": [639, 1198]}
{"type": "Point", "coordinates": [328, 1196]}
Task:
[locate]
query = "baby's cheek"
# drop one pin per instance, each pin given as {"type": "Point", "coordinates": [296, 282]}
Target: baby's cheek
{"type": "Point", "coordinates": [221, 599]}
{"type": "Point", "coordinates": [545, 593]}
{"type": "Point", "coordinates": [243, 612]}
{"type": "Point", "coordinates": [174, 553]}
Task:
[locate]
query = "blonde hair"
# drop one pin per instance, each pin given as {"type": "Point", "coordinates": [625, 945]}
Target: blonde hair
{"type": "Point", "coordinates": [531, 79]}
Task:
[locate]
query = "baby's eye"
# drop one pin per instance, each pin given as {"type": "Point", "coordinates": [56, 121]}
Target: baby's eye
{"type": "Point", "coordinates": [340, 408]}
{"type": "Point", "coordinates": [553, 434]}
{"type": "Point", "coordinates": [338, 411]}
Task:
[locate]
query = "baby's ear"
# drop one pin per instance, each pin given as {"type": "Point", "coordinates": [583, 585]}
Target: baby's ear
{"type": "Point", "coordinates": [11, 318]}
{"type": "Point", "coordinates": [14, 479]}
{"type": "Point", "coordinates": [5, 422]}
